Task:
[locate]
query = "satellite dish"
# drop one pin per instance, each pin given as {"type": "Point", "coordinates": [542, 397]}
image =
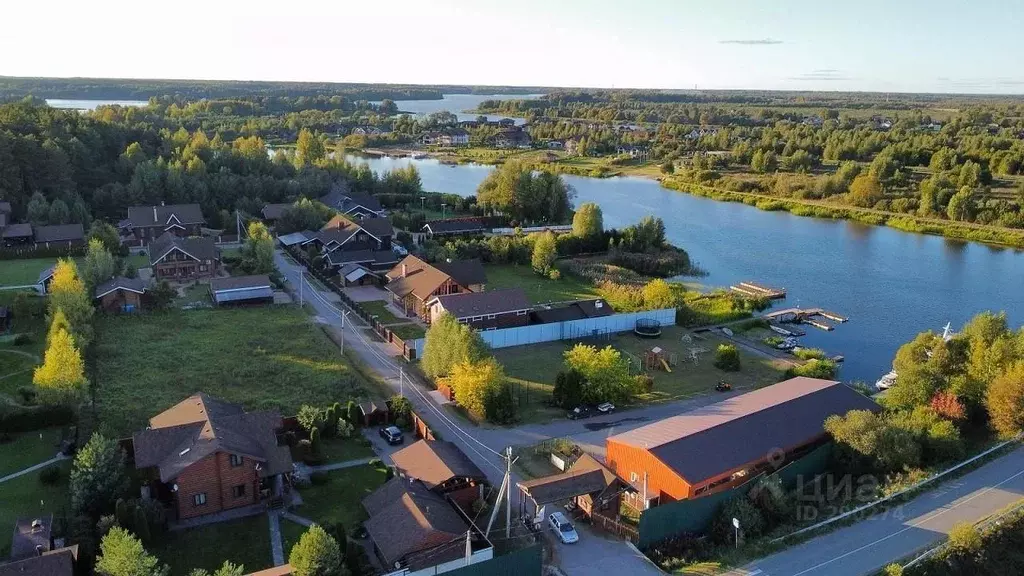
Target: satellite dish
{"type": "Point", "coordinates": [174, 488]}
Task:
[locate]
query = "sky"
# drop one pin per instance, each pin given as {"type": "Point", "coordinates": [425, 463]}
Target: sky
{"type": "Point", "coordinates": [873, 45]}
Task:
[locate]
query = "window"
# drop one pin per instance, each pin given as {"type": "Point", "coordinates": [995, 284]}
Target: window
{"type": "Point", "coordinates": [633, 477]}
{"type": "Point", "coordinates": [236, 460]}
{"type": "Point", "coordinates": [476, 318]}
{"type": "Point", "coordinates": [521, 313]}
{"type": "Point", "coordinates": [490, 316]}
{"type": "Point", "coordinates": [238, 491]}
{"type": "Point", "coordinates": [199, 499]}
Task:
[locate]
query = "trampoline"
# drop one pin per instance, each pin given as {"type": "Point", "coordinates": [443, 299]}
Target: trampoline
{"type": "Point", "coordinates": [647, 328]}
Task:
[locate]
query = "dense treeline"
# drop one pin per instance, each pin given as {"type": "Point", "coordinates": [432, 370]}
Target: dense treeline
{"type": "Point", "coordinates": [135, 89]}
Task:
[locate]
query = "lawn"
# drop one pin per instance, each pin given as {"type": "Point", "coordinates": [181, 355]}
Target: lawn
{"type": "Point", "coordinates": [264, 357]}
{"type": "Point", "coordinates": [194, 294]}
{"type": "Point", "coordinates": [245, 542]}
{"type": "Point", "coordinates": [408, 331]}
{"type": "Point", "coordinates": [538, 289]}
{"type": "Point", "coordinates": [340, 499]}
{"type": "Point", "coordinates": [291, 532]}
{"type": "Point", "coordinates": [26, 496]}
{"type": "Point", "coordinates": [25, 271]}
{"type": "Point", "coordinates": [28, 449]}
{"type": "Point", "coordinates": [343, 449]}
{"type": "Point", "coordinates": [532, 370]}
{"type": "Point", "coordinates": [379, 309]}
{"type": "Point", "coordinates": [139, 260]}
{"type": "Point", "coordinates": [15, 371]}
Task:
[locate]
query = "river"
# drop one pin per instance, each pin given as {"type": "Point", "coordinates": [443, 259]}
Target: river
{"type": "Point", "coordinates": [91, 104]}
{"type": "Point", "coordinates": [456, 103]}
{"type": "Point", "coordinates": [891, 284]}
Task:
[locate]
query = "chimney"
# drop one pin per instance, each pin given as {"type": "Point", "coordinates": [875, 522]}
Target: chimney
{"type": "Point", "coordinates": [405, 270]}
{"type": "Point", "coordinates": [154, 213]}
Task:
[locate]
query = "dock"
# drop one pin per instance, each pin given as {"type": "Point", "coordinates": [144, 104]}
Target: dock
{"type": "Point", "coordinates": [755, 290]}
{"type": "Point", "coordinates": [805, 316]}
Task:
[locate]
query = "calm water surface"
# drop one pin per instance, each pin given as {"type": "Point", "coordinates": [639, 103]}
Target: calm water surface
{"type": "Point", "coordinates": [890, 284]}
{"type": "Point", "coordinates": [456, 103]}
{"type": "Point", "coordinates": [91, 104]}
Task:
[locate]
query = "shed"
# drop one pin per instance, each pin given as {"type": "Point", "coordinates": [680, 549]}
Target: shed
{"type": "Point", "coordinates": [255, 289]}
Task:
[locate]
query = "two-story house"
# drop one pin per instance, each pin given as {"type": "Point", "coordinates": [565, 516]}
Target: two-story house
{"type": "Point", "coordinates": [205, 455]}
{"type": "Point", "coordinates": [366, 243]}
{"type": "Point", "coordinates": [147, 223]}
{"type": "Point", "coordinates": [183, 259]}
{"type": "Point", "coordinates": [352, 204]}
{"type": "Point", "coordinates": [413, 283]}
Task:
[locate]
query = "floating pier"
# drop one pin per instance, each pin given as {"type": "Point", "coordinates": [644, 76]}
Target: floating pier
{"type": "Point", "coordinates": [805, 316]}
{"type": "Point", "coordinates": [755, 290]}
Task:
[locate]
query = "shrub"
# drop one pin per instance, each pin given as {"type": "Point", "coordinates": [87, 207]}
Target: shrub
{"type": "Point", "coordinates": [28, 418]}
{"type": "Point", "coordinates": [319, 478]}
{"type": "Point", "coordinates": [303, 451]}
{"type": "Point", "coordinates": [809, 353]}
{"type": "Point", "coordinates": [22, 340]}
{"type": "Point", "coordinates": [27, 394]}
{"type": "Point", "coordinates": [49, 476]}
{"type": "Point", "coordinates": [344, 429]}
{"type": "Point", "coordinates": [309, 417]}
{"type": "Point", "coordinates": [752, 522]}
{"type": "Point", "coordinates": [964, 538]}
{"type": "Point", "coordinates": [815, 368]}
{"type": "Point", "coordinates": [727, 358]}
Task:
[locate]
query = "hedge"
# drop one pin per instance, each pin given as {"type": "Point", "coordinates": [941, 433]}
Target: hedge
{"type": "Point", "coordinates": [14, 418]}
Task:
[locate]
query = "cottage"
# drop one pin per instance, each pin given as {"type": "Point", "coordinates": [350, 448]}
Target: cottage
{"type": "Point", "coordinates": [273, 212]}
{"type": "Point", "coordinates": [255, 289]}
{"type": "Point", "coordinates": [413, 283]}
{"type": "Point", "coordinates": [724, 444]}
{"type": "Point", "coordinates": [484, 310]}
{"type": "Point", "coordinates": [183, 259]}
{"type": "Point", "coordinates": [515, 138]}
{"type": "Point", "coordinates": [59, 236]}
{"type": "Point", "coordinates": [45, 277]}
{"type": "Point", "coordinates": [121, 294]}
{"type": "Point", "coordinates": [443, 469]}
{"type": "Point", "coordinates": [366, 242]}
{"type": "Point", "coordinates": [16, 234]}
{"type": "Point", "coordinates": [204, 455]}
{"type": "Point", "coordinates": [147, 223]}
{"type": "Point", "coordinates": [454, 227]}
{"type": "Point", "coordinates": [413, 529]}
{"type": "Point", "coordinates": [357, 275]}
{"type": "Point", "coordinates": [588, 483]}
{"type": "Point", "coordinates": [352, 204]}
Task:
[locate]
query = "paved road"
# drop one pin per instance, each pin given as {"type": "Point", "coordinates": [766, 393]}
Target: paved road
{"type": "Point", "coordinates": [482, 445]}
{"type": "Point", "coordinates": [868, 546]}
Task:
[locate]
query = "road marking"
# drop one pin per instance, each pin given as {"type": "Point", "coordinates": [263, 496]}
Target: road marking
{"type": "Point", "coordinates": [911, 526]}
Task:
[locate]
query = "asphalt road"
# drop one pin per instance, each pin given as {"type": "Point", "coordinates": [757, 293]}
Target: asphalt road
{"type": "Point", "coordinates": [869, 545]}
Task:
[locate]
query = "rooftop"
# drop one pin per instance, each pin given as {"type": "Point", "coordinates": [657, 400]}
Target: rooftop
{"type": "Point", "coordinates": [165, 215]}
{"type": "Point", "coordinates": [469, 304]}
{"type": "Point", "coordinates": [59, 233]}
{"type": "Point", "coordinates": [435, 463]}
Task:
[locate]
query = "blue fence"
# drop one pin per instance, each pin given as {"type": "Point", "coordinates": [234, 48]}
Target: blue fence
{"type": "Point", "coordinates": [568, 330]}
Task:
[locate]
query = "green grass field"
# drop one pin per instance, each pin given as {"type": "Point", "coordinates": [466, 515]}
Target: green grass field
{"type": "Point", "coordinates": [538, 289]}
{"type": "Point", "coordinates": [408, 331]}
{"type": "Point", "coordinates": [28, 449]}
{"type": "Point", "coordinates": [25, 272]}
{"type": "Point", "coordinates": [26, 496]}
{"type": "Point", "coordinates": [379, 309]}
{"type": "Point", "coordinates": [532, 370]}
{"type": "Point", "coordinates": [245, 542]}
{"type": "Point", "coordinates": [265, 357]}
{"type": "Point", "coordinates": [340, 499]}
{"type": "Point", "coordinates": [342, 449]}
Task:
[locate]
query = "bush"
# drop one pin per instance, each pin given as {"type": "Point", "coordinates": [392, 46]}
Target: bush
{"type": "Point", "coordinates": [319, 478]}
{"type": "Point", "coordinates": [809, 353]}
{"type": "Point", "coordinates": [825, 369]}
{"type": "Point", "coordinates": [679, 551]}
{"type": "Point", "coordinates": [28, 418]}
{"type": "Point", "coordinates": [49, 476]}
{"type": "Point", "coordinates": [344, 429]}
{"type": "Point", "coordinates": [964, 538]}
{"type": "Point", "coordinates": [752, 522]}
{"type": "Point", "coordinates": [27, 394]}
{"type": "Point", "coordinates": [727, 358]}
{"type": "Point", "coordinates": [303, 450]}
{"type": "Point", "coordinates": [22, 339]}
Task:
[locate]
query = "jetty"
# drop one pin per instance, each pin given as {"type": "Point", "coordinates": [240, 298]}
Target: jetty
{"type": "Point", "coordinates": [805, 316]}
{"type": "Point", "coordinates": [755, 290]}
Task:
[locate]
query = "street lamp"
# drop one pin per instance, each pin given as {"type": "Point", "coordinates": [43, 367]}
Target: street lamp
{"type": "Point", "coordinates": [443, 206]}
{"type": "Point", "coordinates": [736, 530]}
{"type": "Point", "coordinates": [422, 206]}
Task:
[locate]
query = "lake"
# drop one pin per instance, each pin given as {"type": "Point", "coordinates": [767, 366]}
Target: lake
{"type": "Point", "coordinates": [91, 104]}
{"type": "Point", "coordinates": [456, 103]}
{"type": "Point", "coordinates": [890, 284]}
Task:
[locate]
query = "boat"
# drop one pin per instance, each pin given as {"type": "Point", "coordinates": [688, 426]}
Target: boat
{"type": "Point", "coordinates": [780, 330]}
{"type": "Point", "coordinates": [727, 332]}
{"type": "Point", "coordinates": [887, 381]}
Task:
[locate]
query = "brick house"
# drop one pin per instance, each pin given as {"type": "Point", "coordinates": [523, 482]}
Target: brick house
{"type": "Point", "coordinates": [484, 310]}
{"type": "Point", "coordinates": [443, 469]}
{"type": "Point", "coordinates": [413, 283]}
{"type": "Point", "coordinates": [721, 445]}
{"type": "Point", "coordinates": [183, 259]}
{"type": "Point", "coordinates": [121, 294]}
{"type": "Point", "coordinates": [147, 223]}
{"type": "Point", "coordinates": [205, 455]}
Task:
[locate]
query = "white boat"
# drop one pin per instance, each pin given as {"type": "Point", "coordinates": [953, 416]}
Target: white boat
{"type": "Point", "coordinates": [887, 381]}
{"type": "Point", "coordinates": [779, 330]}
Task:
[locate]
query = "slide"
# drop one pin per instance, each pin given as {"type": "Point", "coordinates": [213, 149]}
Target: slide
{"type": "Point", "coordinates": [665, 364]}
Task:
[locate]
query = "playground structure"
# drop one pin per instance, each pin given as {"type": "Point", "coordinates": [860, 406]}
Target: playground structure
{"type": "Point", "coordinates": [657, 359]}
{"type": "Point", "coordinates": [647, 328]}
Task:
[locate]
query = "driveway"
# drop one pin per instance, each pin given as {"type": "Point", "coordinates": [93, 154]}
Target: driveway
{"type": "Point", "coordinates": [597, 553]}
{"type": "Point", "coordinates": [366, 293]}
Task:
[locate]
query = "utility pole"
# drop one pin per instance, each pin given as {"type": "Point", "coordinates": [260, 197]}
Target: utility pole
{"type": "Point", "coordinates": [469, 547]}
{"type": "Point", "coordinates": [508, 492]}
{"type": "Point", "coordinates": [343, 315]}
{"type": "Point", "coordinates": [645, 491]}
{"type": "Point", "coordinates": [401, 382]}
{"type": "Point", "coordinates": [238, 226]}
{"type": "Point", "coordinates": [301, 281]}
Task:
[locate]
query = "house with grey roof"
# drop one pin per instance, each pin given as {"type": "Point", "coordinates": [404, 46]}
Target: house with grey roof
{"type": "Point", "coordinates": [205, 455]}
{"type": "Point", "coordinates": [489, 310]}
{"type": "Point", "coordinates": [147, 223]}
{"type": "Point", "coordinates": [352, 204]}
{"type": "Point", "coordinates": [183, 259]}
{"type": "Point", "coordinates": [58, 236]}
{"type": "Point", "coordinates": [120, 294]}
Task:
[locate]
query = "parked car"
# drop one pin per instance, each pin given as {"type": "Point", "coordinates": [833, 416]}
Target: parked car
{"type": "Point", "coordinates": [579, 412]}
{"type": "Point", "coordinates": [392, 435]}
{"type": "Point", "coordinates": [561, 525]}
{"type": "Point", "coordinates": [606, 408]}
{"type": "Point", "coordinates": [723, 386]}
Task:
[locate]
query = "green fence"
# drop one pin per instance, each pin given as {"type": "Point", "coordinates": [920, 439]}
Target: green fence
{"type": "Point", "coordinates": [693, 516]}
{"type": "Point", "coordinates": [525, 562]}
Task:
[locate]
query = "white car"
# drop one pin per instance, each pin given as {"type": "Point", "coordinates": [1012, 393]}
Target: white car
{"type": "Point", "coordinates": [566, 533]}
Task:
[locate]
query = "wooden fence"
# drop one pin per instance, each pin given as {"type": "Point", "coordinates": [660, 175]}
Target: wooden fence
{"type": "Point", "coordinates": [617, 527]}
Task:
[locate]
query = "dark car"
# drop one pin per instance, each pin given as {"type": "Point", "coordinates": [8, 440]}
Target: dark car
{"type": "Point", "coordinates": [723, 386]}
{"type": "Point", "coordinates": [392, 435]}
{"type": "Point", "coordinates": [578, 413]}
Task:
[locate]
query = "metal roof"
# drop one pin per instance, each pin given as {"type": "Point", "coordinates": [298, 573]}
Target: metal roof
{"type": "Point", "coordinates": [241, 294]}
